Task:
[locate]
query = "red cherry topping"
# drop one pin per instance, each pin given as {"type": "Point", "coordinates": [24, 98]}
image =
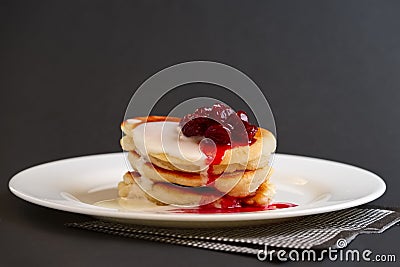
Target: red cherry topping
{"type": "Point", "coordinates": [220, 123]}
{"type": "Point", "coordinates": [242, 115]}
{"type": "Point", "coordinates": [218, 133]}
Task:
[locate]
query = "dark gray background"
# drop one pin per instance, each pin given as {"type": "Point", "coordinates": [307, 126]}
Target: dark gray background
{"type": "Point", "coordinates": [67, 70]}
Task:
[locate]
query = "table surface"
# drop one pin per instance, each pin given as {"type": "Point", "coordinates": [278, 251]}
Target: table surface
{"type": "Point", "coordinates": [68, 69]}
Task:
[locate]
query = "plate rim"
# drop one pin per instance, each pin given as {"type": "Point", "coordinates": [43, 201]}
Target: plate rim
{"type": "Point", "coordinates": [179, 217]}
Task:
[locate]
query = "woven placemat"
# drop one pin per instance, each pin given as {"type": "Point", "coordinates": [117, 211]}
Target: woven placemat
{"type": "Point", "coordinates": [329, 230]}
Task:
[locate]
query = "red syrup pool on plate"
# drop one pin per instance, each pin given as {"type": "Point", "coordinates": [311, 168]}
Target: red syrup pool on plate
{"type": "Point", "coordinates": [207, 209]}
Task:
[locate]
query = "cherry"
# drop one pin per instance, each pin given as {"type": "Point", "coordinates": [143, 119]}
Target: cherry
{"type": "Point", "coordinates": [221, 112]}
{"type": "Point", "coordinates": [203, 112]}
{"type": "Point", "coordinates": [218, 133]}
{"type": "Point", "coordinates": [242, 115]}
{"type": "Point", "coordinates": [195, 126]}
{"type": "Point", "coordinates": [220, 123]}
{"type": "Point", "coordinates": [251, 130]}
{"type": "Point", "coordinates": [238, 129]}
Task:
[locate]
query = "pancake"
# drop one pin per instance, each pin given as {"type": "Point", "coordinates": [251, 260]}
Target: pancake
{"type": "Point", "coordinates": [252, 157]}
{"type": "Point", "coordinates": [186, 196]}
{"type": "Point", "coordinates": [162, 161]}
{"type": "Point", "coordinates": [237, 184]}
{"type": "Point", "coordinates": [247, 184]}
{"type": "Point", "coordinates": [129, 188]}
{"type": "Point", "coordinates": [170, 168]}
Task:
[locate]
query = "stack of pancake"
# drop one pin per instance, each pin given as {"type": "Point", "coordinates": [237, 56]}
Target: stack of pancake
{"type": "Point", "coordinates": [169, 168]}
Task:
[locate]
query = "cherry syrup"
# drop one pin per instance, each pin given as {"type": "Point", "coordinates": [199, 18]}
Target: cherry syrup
{"type": "Point", "coordinates": [237, 207]}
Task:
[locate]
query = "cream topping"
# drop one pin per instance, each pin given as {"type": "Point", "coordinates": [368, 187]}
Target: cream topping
{"type": "Point", "coordinates": [164, 137]}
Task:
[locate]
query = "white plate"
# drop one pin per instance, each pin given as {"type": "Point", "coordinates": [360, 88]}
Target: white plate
{"type": "Point", "coordinates": [316, 185]}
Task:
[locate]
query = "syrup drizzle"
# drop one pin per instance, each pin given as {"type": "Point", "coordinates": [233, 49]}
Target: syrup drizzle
{"type": "Point", "coordinates": [215, 154]}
